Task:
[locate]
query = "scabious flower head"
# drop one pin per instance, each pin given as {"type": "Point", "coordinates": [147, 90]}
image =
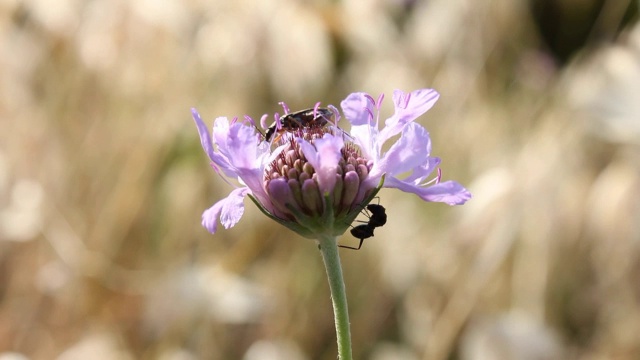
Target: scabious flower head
{"type": "Point", "coordinates": [316, 179]}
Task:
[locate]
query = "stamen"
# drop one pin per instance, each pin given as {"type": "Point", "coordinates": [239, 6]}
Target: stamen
{"type": "Point", "coordinates": [379, 102]}
{"type": "Point", "coordinates": [371, 100]}
{"type": "Point", "coordinates": [336, 114]}
{"type": "Point", "coordinates": [263, 121]}
{"type": "Point", "coordinates": [249, 120]}
{"type": "Point", "coordinates": [234, 120]}
{"type": "Point", "coordinates": [276, 118]}
{"type": "Point", "coordinates": [435, 180]}
{"type": "Point", "coordinates": [315, 109]}
{"type": "Point", "coordinates": [370, 114]}
{"type": "Point", "coordinates": [215, 167]}
{"type": "Point", "coordinates": [284, 107]}
{"type": "Point", "coordinates": [406, 103]}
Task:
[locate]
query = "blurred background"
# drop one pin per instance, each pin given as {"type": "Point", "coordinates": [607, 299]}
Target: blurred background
{"type": "Point", "coordinates": [103, 180]}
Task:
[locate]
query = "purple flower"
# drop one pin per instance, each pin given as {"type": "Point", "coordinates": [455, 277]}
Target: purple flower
{"type": "Point", "coordinates": [316, 179]}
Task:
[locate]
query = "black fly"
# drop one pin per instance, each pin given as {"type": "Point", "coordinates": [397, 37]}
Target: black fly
{"type": "Point", "coordinates": [378, 218]}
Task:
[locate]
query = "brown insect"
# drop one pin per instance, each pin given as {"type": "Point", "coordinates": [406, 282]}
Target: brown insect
{"type": "Point", "coordinates": [308, 118]}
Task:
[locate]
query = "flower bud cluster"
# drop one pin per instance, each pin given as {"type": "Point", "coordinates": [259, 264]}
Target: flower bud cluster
{"type": "Point", "coordinates": [292, 182]}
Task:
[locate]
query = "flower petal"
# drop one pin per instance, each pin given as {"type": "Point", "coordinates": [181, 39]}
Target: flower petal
{"type": "Point", "coordinates": [220, 130]}
{"type": "Point", "coordinates": [448, 192]}
{"type": "Point", "coordinates": [420, 173]}
{"type": "Point", "coordinates": [229, 210]}
{"type": "Point", "coordinates": [410, 151]}
{"type": "Point", "coordinates": [324, 155]}
{"type": "Point", "coordinates": [239, 143]}
{"type": "Point", "coordinates": [205, 138]}
{"type": "Point", "coordinates": [413, 105]}
{"type": "Point", "coordinates": [357, 108]}
{"type": "Point", "coordinates": [408, 107]}
{"type": "Point", "coordinates": [365, 136]}
{"type": "Point", "coordinates": [246, 155]}
{"type": "Point", "coordinates": [220, 161]}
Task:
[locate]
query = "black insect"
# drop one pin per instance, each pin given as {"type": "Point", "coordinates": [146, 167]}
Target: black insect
{"type": "Point", "coordinates": [377, 218]}
{"type": "Point", "coordinates": [378, 215]}
{"type": "Point", "coordinates": [308, 118]}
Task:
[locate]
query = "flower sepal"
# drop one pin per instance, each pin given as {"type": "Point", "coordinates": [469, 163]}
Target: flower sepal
{"type": "Point", "coordinates": [293, 226]}
{"type": "Point", "coordinates": [344, 222]}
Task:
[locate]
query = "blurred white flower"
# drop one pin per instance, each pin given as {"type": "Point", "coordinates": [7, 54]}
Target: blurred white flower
{"type": "Point", "coordinates": [608, 89]}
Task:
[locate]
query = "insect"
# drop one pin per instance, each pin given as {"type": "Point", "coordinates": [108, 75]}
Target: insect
{"type": "Point", "coordinates": [378, 218]}
{"type": "Point", "coordinates": [378, 215]}
{"type": "Point", "coordinates": [308, 118]}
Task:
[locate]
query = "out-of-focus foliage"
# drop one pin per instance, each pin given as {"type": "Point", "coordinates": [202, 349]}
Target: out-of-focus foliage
{"type": "Point", "coordinates": [102, 180]}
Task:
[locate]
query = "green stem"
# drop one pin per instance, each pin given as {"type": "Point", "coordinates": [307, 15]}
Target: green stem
{"type": "Point", "coordinates": [331, 258]}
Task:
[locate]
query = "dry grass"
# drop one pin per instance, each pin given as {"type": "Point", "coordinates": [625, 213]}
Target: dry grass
{"type": "Point", "coordinates": [102, 183]}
